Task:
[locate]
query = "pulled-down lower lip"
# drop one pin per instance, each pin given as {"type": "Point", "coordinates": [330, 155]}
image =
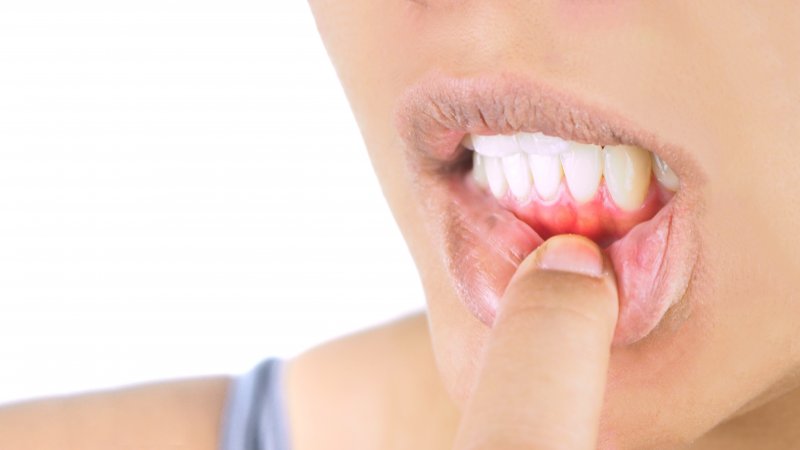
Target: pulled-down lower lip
{"type": "Point", "coordinates": [483, 243]}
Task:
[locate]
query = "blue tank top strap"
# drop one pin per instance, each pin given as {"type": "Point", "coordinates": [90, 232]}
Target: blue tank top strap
{"type": "Point", "coordinates": [254, 417]}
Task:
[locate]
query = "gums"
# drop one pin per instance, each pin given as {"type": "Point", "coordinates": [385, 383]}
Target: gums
{"type": "Point", "coordinates": [599, 219]}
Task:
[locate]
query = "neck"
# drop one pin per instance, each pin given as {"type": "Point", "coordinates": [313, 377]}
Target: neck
{"type": "Point", "coordinates": [771, 423]}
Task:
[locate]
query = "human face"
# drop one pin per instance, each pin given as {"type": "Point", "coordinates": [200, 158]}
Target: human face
{"type": "Point", "coordinates": [707, 266]}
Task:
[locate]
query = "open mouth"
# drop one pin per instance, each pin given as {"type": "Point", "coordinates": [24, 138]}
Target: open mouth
{"type": "Point", "coordinates": [503, 164]}
{"type": "Point", "coordinates": [558, 186]}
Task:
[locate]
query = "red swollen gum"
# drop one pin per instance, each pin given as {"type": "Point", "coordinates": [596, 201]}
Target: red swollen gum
{"type": "Point", "coordinates": [600, 219]}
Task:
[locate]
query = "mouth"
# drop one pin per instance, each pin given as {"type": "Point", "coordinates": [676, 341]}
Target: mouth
{"type": "Point", "coordinates": [503, 163]}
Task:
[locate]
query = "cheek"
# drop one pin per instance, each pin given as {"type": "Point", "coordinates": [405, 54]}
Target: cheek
{"type": "Point", "coordinates": [753, 218]}
{"type": "Point", "coordinates": [752, 237]}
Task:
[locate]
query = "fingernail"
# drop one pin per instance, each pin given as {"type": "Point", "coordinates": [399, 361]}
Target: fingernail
{"type": "Point", "coordinates": [571, 253]}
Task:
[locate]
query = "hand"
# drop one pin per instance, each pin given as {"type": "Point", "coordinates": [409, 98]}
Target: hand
{"type": "Point", "coordinates": [544, 369]}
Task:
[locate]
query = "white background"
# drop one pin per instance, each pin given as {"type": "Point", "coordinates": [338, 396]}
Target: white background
{"type": "Point", "coordinates": [183, 191]}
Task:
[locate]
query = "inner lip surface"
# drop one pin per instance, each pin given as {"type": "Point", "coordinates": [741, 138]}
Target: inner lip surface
{"type": "Point", "coordinates": [485, 241]}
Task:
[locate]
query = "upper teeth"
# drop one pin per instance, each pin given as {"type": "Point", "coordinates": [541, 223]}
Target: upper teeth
{"type": "Point", "coordinates": [664, 174]}
{"type": "Point", "coordinates": [583, 168]}
{"type": "Point", "coordinates": [524, 161]}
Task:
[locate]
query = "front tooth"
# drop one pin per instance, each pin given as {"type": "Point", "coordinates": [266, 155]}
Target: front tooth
{"type": "Point", "coordinates": [496, 145]}
{"type": "Point", "coordinates": [494, 173]}
{"type": "Point", "coordinates": [546, 175]}
{"type": "Point", "coordinates": [541, 144]}
{"type": "Point", "coordinates": [583, 168]}
{"type": "Point", "coordinates": [627, 174]}
{"type": "Point", "coordinates": [479, 170]}
{"type": "Point", "coordinates": [518, 175]}
{"type": "Point", "coordinates": [665, 175]}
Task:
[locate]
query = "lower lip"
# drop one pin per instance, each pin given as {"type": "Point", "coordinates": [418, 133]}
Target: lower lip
{"type": "Point", "coordinates": [485, 244]}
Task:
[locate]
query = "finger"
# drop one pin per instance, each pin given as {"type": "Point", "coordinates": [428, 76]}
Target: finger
{"type": "Point", "coordinates": [544, 369]}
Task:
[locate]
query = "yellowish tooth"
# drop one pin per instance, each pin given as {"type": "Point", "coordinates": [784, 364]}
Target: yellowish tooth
{"type": "Point", "coordinates": [627, 174]}
{"type": "Point", "coordinates": [665, 175]}
{"type": "Point", "coordinates": [479, 170]}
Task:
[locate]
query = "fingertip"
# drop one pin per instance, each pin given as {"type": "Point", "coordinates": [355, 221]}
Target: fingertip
{"type": "Point", "coordinates": [570, 271]}
{"type": "Point", "coordinates": [570, 253]}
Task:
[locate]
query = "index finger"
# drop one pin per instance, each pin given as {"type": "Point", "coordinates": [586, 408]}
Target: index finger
{"type": "Point", "coordinates": [543, 376]}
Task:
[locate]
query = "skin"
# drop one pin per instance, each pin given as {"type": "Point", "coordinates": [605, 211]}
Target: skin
{"type": "Point", "coordinates": [177, 415]}
{"type": "Point", "coordinates": [528, 361]}
{"type": "Point", "coordinates": [679, 69]}
{"type": "Point", "coordinates": [719, 79]}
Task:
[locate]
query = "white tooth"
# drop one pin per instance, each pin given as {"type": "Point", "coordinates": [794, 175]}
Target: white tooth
{"type": "Point", "coordinates": [518, 175]}
{"type": "Point", "coordinates": [583, 168]}
{"type": "Point", "coordinates": [479, 170]}
{"type": "Point", "coordinates": [541, 144]}
{"type": "Point", "coordinates": [665, 175]}
{"type": "Point", "coordinates": [546, 174]}
{"type": "Point", "coordinates": [467, 142]}
{"type": "Point", "coordinates": [496, 145]}
{"type": "Point", "coordinates": [627, 174]}
{"type": "Point", "coordinates": [494, 173]}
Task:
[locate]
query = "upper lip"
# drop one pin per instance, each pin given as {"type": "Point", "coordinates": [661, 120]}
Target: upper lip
{"type": "Point", "coordinates": [434, 115]}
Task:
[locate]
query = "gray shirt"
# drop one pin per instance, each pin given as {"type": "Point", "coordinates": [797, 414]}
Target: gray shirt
{"type": "Point", "coordinates": [255, 417]}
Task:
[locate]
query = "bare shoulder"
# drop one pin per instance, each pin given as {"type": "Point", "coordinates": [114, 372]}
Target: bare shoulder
{"type": "Point", "coordinates": [182, 414]}
{"type": "Point", "coordinates": [400, 342]}
{"type": "Point", "coordinates": [373, 389]}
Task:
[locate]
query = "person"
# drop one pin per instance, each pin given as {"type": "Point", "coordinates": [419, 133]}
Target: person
{"type": "Point", "coordinates": [600, 200]}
